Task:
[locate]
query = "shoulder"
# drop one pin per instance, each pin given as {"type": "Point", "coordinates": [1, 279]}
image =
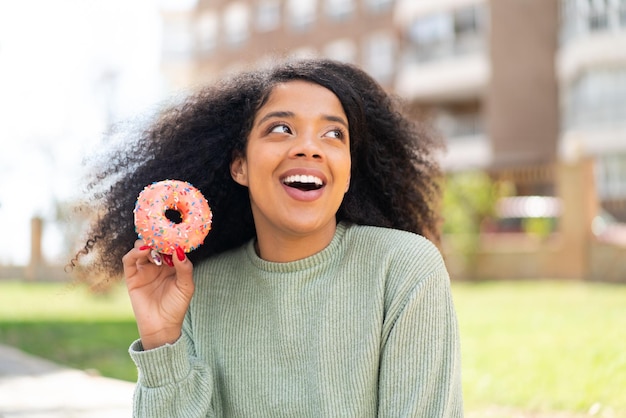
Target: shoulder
{"type": "Point", "coordinates": [395, 246]}
{"type": "Point", "coordinates": [408, 264]}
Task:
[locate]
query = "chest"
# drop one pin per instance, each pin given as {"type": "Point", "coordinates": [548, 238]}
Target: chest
{"type": "Point", "coordinates": [309, 341]}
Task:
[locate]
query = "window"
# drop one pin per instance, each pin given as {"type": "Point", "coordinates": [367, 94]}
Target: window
{"type": "Point", "coordinates": [432, 37]}
{"type": "Point", "coordinates": [622, 13]}
{"type": "Point", "coordinates": [341, 50]}
{"type": "Point", "coordinates": [465, 21]}
{"type": "Point", "coordinates": [468, 24]}
{"type": "Point", "coordinates": [447, 33]}
{"type": "Point", "coordinates": [379, 56]}
{"type": "Point", "coordinates": [611, 176]}
{"type": "Point", "coordinates": [459, 120]}
{"type": "Point", "coordinates": [579, 17]}
{"type": "Point", "coordinates": [301, 14]}
{"type": "Point", "coordinates": [432, 29]}
{"type": "Point", "coordinates": [236, 24]}
{"type": "Point", "coordinates": [379, 6]}
{"type": "Point", "coordinates": [570, 19]}
{"type": "Point", "coordinates": [268, 15]}
{"type": "Point", "coordinates": [207, 26]}
{"type": "Point", "coordinates": [598, 14]}
{"type": "Point", "coordinates": [597, 98]}
{"type": "Point", "coordinates": [178, 40]}
{"type": "Point", "coordinates": [339, 9]}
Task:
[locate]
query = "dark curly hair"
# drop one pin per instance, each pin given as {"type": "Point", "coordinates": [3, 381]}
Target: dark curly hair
{"type": "Point", "coordinates": [394, 178]}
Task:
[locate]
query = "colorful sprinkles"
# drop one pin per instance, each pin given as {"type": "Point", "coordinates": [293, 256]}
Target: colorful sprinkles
{"type": "Point", "coordinates": [162, 234]}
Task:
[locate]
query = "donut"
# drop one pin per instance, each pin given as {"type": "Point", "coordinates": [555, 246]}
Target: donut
{"type": "Point", "coordinates": [160, 232]}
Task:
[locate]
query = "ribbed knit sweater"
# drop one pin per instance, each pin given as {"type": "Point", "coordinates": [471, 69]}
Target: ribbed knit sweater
{"type": "Point", "coordinates": [364, 328]}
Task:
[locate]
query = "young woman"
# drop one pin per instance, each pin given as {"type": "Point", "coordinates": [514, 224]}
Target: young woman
{"type": "Point", "coordinates": [316, 292]}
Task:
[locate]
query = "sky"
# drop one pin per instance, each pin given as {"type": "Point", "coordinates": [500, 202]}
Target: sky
{"type": "Point", "coordinates": [67, 68]}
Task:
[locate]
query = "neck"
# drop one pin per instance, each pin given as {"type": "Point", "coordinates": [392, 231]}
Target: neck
{"type": "Point", "coordinates": [283, 248]}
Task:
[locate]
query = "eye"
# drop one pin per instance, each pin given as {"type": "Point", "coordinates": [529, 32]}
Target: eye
{"type": "Point", "coordinates": [280, 129]}
{"type": "Point", "coordinates": [336, 133]}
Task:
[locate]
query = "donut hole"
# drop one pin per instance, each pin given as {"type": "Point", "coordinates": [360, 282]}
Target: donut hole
{"type": "Point", "coordinates": [174, 215]}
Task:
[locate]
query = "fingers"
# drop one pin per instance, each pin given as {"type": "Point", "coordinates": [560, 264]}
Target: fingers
{"type": "Point", "coordinates": [155, 257]}
{"type": "Point", "coordinates": [134, 257]}
{"type": "Point", "coordinates": [184, 269]}
{"type": "Point", "coordinates": [142, 254]}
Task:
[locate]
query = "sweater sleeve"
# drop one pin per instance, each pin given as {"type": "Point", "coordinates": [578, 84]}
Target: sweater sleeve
{"type": "Point", "coordinates": [172, 382]}
{"type": "Point", "coordinates": [420, 360]}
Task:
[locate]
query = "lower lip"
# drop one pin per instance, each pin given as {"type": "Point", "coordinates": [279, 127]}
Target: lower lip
{"type": "Point", "coordinates": [303, 196]}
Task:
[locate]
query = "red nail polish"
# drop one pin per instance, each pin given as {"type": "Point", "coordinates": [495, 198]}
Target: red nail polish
{"type": "Point", "coordinates": [144, 247]}
{"type": "Point", "coordinates": [180, 253]}
{"type": "Point", "coordinates": [168, 260]}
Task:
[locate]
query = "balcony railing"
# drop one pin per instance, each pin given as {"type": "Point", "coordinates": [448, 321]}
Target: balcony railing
{"type": "Point", "coordinates": [583, 17]}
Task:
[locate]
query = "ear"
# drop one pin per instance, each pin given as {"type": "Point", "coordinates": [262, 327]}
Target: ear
{"type": "Point", "coordinates": [347, 186]}
{"type": "Point", "coordinates": [239, 170]}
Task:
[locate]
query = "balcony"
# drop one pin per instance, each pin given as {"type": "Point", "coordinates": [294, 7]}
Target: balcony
{"type": "Point", "coordinates": [592, 35]}
{"type": "Point", "coordinates": [454, 78]}
{"type": "Point", "coordinates": [443, 50]}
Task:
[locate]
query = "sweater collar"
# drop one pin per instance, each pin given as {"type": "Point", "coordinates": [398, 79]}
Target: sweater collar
{"type": "Point", "coordinates": [316, 259]}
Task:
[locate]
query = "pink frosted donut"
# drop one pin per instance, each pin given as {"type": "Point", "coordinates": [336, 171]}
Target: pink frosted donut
{"type": "Point", "coordinates": [158, 231]}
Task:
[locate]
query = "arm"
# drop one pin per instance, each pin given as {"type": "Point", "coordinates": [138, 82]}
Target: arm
{"type": "Point", "coordinates": [172, 381]}
{"type": "Point", "coordinates": [420, 371]}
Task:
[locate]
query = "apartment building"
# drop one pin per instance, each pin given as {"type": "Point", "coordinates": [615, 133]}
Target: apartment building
{"type": "Point", "coordinates": [591, 70]}
{"type": "Point", "coordinates": [219, 36]}
{"type": "Point", "coordinates": [514, 86]}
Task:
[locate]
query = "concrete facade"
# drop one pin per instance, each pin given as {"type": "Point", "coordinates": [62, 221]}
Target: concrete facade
{"type": "Point", "coordinates": [522, 96]}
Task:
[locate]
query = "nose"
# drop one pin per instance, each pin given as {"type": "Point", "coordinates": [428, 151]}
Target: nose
{"type": "Point", "coordinates": [307, 146]}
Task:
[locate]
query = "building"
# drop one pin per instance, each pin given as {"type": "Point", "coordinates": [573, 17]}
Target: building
{"type": "Point", "coordinates": [514, 86]}
{"type": "Point", "coordinates": [218, 36]}
{"type": "Point", "coordinates": [591, 70]}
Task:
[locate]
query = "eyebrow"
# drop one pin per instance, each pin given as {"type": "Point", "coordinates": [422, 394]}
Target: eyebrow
{"type": "Point", "coordinates": [288, 114]}
{"type": "Point", "coordinates": [276, 114]}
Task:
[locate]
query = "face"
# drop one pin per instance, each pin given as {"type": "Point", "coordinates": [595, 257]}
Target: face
{"type": "Point", "coordinates": [297, 162]}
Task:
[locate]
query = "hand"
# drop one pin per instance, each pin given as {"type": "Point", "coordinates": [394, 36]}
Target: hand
{"type": "Point", "coordinates": [159, 295]}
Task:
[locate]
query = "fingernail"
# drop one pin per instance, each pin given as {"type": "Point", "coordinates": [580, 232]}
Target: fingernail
{"type": "Point", "coordinates": [144, 247]}
{"type": "Point", "coordinates": [168, 260]}
{"type": "Point", "coordinates": [180, 253]}
{"type": "Point", "coordinates": [156, 257]}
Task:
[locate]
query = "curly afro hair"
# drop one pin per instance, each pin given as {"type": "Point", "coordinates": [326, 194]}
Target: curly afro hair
{"type": "Point", "coordinates": [394, 178]}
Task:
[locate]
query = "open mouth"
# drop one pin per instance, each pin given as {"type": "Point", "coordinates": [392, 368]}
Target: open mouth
{"type": "Point", "coordinates": [303, 182]}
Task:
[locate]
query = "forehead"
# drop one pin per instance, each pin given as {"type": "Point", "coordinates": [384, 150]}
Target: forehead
{"type": "Point", "coordinates": [302, 96]}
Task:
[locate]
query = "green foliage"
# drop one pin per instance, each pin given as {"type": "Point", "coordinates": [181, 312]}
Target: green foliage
{"type": "Point", "coordinates": [469, 199]}
{"type": "Point", "coordinates": [539, 227]}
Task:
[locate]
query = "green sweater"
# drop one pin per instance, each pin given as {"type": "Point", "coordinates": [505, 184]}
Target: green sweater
{"type": "Point", "coordinates": [364, 328]}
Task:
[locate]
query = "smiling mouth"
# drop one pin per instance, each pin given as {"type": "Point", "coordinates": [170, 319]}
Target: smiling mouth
{"type": "Point", "coordinates": [303, 182]}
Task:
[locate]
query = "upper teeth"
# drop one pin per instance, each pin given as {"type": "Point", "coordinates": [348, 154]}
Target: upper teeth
{"type": "Point", "coordinates": [298, 178]}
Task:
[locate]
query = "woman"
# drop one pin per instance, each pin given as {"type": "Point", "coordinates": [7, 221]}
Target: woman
{"type": "Point", "coordinates": [315, 294]}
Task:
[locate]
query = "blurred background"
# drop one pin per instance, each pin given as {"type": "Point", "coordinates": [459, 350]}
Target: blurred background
{"type": "Point", "coordinates": [528, 95]}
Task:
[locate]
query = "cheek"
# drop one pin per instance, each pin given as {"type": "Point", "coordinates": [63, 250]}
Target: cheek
{"type": "Point", "coordinates": [343, 161]}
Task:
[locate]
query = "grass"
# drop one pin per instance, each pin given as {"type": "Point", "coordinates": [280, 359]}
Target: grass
{"type": "Point", "coordinates": [544, 346]}
{"type": "Point", "coordinates": [70, 325]}
{"type": "Point", "coordinates": [532, 346]}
